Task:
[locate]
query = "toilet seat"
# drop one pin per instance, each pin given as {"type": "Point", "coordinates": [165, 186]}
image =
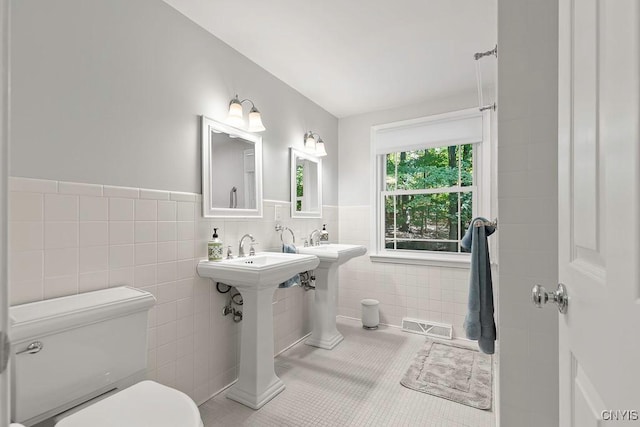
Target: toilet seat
{"type": "Point", "coordinates": [145, 404]}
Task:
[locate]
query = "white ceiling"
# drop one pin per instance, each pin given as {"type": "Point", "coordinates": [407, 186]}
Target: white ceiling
{"type": "Point", "coordinates": [357, 56]}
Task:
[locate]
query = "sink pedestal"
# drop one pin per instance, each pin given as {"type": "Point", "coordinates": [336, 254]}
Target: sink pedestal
{"type": "Point", "coordinates": [325, 334]}
{"type": "Point", "coordinates": [256, 277]}
{"type": "Point", "coordinates": [257, 381]}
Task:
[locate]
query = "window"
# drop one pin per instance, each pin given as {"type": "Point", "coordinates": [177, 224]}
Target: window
{"type": "Point", "coordinates": [428, 199]}
{"type": "Point", "coordinates": [299, 186]}
{"type": "Point", "coordinates": [432, 178]}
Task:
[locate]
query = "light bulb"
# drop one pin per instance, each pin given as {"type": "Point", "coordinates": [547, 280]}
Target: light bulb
{"type": "Point", "coordinates": [255, 121]}
{"type": "Point", "coordinates": [309, 141]}
{"type": "Point", "coordinates": [234, 118]}
{"type": "Point", "coordinates": [320, 150]}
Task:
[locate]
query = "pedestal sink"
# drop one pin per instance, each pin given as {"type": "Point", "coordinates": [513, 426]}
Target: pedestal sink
{"type": "Point", "coordinates": [324, 334]}
{"type": "Point", "coordinates": [256, 278]}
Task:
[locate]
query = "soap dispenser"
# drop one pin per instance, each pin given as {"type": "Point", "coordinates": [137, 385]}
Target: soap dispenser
{"type": "Point", "coordinates": [324, 235]}
{"type": "Point", "coordinates": [215, 247]}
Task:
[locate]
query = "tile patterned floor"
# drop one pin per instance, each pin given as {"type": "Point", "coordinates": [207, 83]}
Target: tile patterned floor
{"type": "Point", "coordinates": [355, 384]}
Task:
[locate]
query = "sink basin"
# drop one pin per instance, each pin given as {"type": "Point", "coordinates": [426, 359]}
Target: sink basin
{"type": "Point", "coordinates": [325, 334]}
{"type": "Point", "coordinates": [256, 278]}
{"type": "Point", "coordinates": [261, 270]}
{"type": "Point", "coordinates": [334, 252]}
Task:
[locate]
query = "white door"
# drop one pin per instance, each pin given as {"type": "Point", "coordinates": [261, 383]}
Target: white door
{"type": "Point", "coordinates": [599, 215]}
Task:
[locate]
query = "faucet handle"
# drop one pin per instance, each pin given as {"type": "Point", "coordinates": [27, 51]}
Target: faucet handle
{"type": "Point", "coordinates": [229, 252]}
{"type": "Point", "coordinates": [252, 250]}
{"type": "Point", "coordinates": [306, 243]}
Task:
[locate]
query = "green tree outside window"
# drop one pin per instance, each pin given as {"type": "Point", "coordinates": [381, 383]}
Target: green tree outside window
{"type": "Point", "coordinates": [428, 198]}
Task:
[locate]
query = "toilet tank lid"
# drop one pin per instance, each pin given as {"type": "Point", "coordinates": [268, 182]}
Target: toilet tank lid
{"type": "Point", "coordinates": [44, 317]}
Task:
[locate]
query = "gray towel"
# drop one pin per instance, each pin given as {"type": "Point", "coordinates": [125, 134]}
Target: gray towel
{"type": "Point", "coordinates": [479, 324]}
{"type": "Point", "coordinates": [295, 280]}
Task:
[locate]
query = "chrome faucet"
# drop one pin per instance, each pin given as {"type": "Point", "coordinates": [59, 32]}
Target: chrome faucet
{"type": "Point", "coordinates": [313, 242]}
{"type": "Point", "coordinates": [241, 244]}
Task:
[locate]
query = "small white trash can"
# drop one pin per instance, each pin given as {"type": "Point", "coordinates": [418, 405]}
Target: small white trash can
{"type": "Point", "coordinates": [370, 313]}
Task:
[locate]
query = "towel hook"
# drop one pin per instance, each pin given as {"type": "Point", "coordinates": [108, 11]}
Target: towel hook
{"type": "Point", "coordinates": [493, 223]}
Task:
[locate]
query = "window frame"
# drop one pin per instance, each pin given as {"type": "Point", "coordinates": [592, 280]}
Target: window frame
{"type": "Point", "coordinates": [457, 189]}
{"type": "Point", "coordinates": [483, 170]}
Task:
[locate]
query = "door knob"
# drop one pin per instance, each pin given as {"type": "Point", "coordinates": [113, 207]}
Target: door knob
{"type": "Point", "coordinates": [540, 297]}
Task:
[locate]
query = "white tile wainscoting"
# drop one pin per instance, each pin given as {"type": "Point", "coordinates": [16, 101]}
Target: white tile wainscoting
{"type": "Point", "coordinates": [424, 292]}
{"type": "Point", "coordinates": [67, 238]}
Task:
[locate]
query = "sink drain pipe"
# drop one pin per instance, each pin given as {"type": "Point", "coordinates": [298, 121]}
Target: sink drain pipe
{"type": "Point", "coordinates": [234, 298]}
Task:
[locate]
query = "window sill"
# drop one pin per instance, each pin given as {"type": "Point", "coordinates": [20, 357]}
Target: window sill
{"type": "Point", "coordinates": [438, 260]}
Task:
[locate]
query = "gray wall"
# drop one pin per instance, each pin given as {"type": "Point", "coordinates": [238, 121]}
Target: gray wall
{"type": "Point", "coordinates": [4, 147]}
{"type": "Point", "coordinates": [528, 209]}
{"type": "Point", "coordinates": [110, 91]}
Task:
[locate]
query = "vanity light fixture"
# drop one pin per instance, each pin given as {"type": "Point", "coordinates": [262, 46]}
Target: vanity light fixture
{"type": "Point", "coordinates": [314, 146]}
{"type": "Point", "coordinates": [235, 116]}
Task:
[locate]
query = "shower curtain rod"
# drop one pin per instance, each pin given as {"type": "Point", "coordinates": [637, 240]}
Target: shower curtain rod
{"type": "Point", "coordinates": [477, 56]}
{"type": "Point", "coordinates": [493, 51]}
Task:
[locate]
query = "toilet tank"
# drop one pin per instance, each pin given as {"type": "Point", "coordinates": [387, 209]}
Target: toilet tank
{"type": "Point", "coordinates": [91, 343]}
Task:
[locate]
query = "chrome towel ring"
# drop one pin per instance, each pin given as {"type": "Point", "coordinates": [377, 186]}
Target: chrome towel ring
{"type": "Point", "coordinates": [282, 229]}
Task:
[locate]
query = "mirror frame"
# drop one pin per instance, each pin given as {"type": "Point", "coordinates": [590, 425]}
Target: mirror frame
{"type": "Point", "coordinates": [299, 154]}
{"type": "Point", "coordinates": [209, 126]}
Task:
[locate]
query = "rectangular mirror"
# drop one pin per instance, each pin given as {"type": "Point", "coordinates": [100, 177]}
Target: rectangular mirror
{"type": "Point", "coordinates": [306, 185]}
{"type": "Point", "coordinates": [231, 171]}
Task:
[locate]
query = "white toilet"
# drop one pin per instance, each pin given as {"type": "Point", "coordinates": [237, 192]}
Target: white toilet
{"type": "Point", "coordinates": [80, 361]}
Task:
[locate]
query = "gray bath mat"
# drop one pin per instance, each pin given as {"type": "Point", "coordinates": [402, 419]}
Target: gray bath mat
{"type": "Point", "coordinates": [453, 372]}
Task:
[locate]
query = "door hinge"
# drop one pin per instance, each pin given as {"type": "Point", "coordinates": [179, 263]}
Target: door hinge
{"type": "Point", "coordinates": [5, 347]}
